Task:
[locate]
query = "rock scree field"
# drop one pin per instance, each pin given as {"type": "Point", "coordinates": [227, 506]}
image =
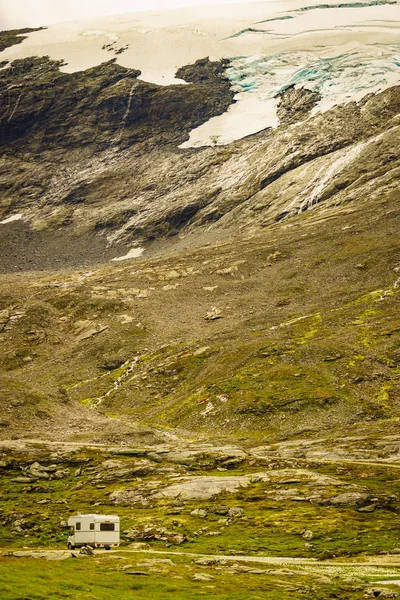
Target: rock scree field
{"type": "Point", "coordinates": [199, 303]}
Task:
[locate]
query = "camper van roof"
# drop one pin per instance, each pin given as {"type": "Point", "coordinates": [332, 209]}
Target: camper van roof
{"type": "Point", "coordinates": [79, 516]}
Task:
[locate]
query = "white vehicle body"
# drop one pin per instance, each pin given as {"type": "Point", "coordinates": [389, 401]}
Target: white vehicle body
{"type": "Point", "coordinates": [93, 530]}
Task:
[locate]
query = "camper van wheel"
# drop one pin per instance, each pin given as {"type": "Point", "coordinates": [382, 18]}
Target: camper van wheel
{"type": "Point", "coordinates": [70, 546]}
{"type": "Point", "coordinates": [107, 547]}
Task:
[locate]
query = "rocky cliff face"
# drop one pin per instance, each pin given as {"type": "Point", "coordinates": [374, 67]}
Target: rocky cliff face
{"type": "Point", "coordinates": [64, 137]}
{"type": "Point", "coordinates": [44, 110]}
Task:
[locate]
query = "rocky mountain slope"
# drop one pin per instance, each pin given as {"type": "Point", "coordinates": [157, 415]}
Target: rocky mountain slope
{"type": "Point", "coordinates": [98, 160]}
{"type": "Point", "coordinates": [268, 301]}
{"type": "Point", "coordinates": [128, 182]}
{"type": "Point", "coordinates": [293, 329]}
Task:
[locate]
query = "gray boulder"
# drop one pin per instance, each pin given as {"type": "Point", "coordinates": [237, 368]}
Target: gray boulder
{"type": "Point", "coordinates": [199, 512]}
{"type": "Point", "coordinates": [203, 488]}
{"type": "Point", "coordinates": [350, 499]}
{"type": "Point", "coordinates": [128, 498]}
{"type": "Point", "coordinates": [38, 471]}
{"type": "Point", "coordinates": [202, 577]}
{"type": "Point", "coordinates": [235, 512]}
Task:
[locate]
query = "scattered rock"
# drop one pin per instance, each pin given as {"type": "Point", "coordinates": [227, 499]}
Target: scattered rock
{"type": "Point", "coordinates": [206, 561]}
{"type": "Point", "coordinates": [175, 510]}
{"type": "Point", "coordinates": [128, 498]}
{"type": "Point", "coordinates": [151, 532]}
{"type": "Point", "coordinates": [220, 510]}
{"type": "Point", "coordinates": [139, 546]}
{"type": "Point", "coordinates": [235, 512]}
{"type": "Point", "coordinates": [201, 351]}
{"type": "Point", "coordinates": [228, 271]}
{"type": "Point", "coordinates": [199, 512]}
{"type": "Point", "coordinates": [202, 577]}
{"type": "Point", "coordinates": [61, 474]}
{"type": "Point", "coordinates": [326, 555]}
{"type": "Point", "coordinates": [85, 330]}
{"type": "Point", "coordinates": [87, 551]}
{"type": "Point", "coordinates": [38, 472]}
{"type": "Point", "coordinates": [203, 488]}
{"type": "Point", "coordinates": [111, 364]}
{"type": "Point", "coordinates": [114, 470]}
{"type": "Point", "coordinates": [169, 275]}
{"type": "Point", "coordinates": [156, 561]}
{"type": "Point", "coordinates": [380, 593]}
{"type": "Point", "coordinates": [367, 509]}
{"type": "Point", "coordinates": [308, 535]}
{"type": "Point", "coordinates": [185, 457]}
{"type": "Point", "coordinates": [47, 555]}
{"type": "Point", "coordinates": [213, 314]}
{"type": "Point", "coordinates": [20, 525]}
{"type": "Point", "coordinates": [350, 499]}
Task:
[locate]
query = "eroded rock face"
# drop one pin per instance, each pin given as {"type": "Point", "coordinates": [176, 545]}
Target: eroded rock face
{"type": "Point", "coordinates": [42, 108]}
{"type": "Point", "coordinates": [203, 488]}
{"type": "Point", "coordinates": [295, 104]}
{"type": "Point", "coordinates": [113, 470]}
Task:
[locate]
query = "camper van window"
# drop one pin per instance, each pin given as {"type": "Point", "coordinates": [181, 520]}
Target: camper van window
{"type": "Point", "coordinates": [107, 527]}
{"type": "Point", "coordinates": [91, 526]}
{"type": "Point", "coordinates": [77, 526]}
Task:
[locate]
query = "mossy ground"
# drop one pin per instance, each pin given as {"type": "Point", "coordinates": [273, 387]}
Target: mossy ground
{"type": "Point", "coordinates": [271, 524]}
{"type": "Point", "coordinates": [104, 578]}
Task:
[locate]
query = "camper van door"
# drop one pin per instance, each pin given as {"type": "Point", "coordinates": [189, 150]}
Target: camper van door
{"type": "Point", "coordinates": [84, 531]}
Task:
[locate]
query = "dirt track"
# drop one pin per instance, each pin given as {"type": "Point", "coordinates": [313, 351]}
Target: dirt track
{"type": "Point", "coordinates": [392, 561]}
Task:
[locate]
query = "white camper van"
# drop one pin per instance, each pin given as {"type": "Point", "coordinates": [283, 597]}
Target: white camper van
{"type": "Point", "coordinates": [98, 531]}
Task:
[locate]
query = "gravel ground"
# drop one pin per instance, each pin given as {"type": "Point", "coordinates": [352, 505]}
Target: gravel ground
{"type": "Point", "coordinates": [23, 249]}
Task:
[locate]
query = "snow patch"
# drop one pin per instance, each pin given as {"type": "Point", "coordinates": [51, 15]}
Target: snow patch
{"type": "Point", "coordinates": [336, 167]}
{"type": "Point", "coordinates": [17, 217]}
{"type": "Point", "coordinates": [95, 32]}
{"type": "Point", "coordinates": [247, 116]}
{"type": "Point", "coordinates": [133, 253]}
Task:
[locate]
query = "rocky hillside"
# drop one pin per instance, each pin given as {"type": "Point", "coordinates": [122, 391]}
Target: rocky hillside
{"type": "Point", "coordinates": [293, 330]}
{"type": "Point", "coordinates": [266, 301]}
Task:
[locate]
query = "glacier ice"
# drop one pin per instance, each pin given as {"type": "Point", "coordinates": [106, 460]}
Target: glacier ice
{"type": "Point", "coordinates": [343, 50]}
